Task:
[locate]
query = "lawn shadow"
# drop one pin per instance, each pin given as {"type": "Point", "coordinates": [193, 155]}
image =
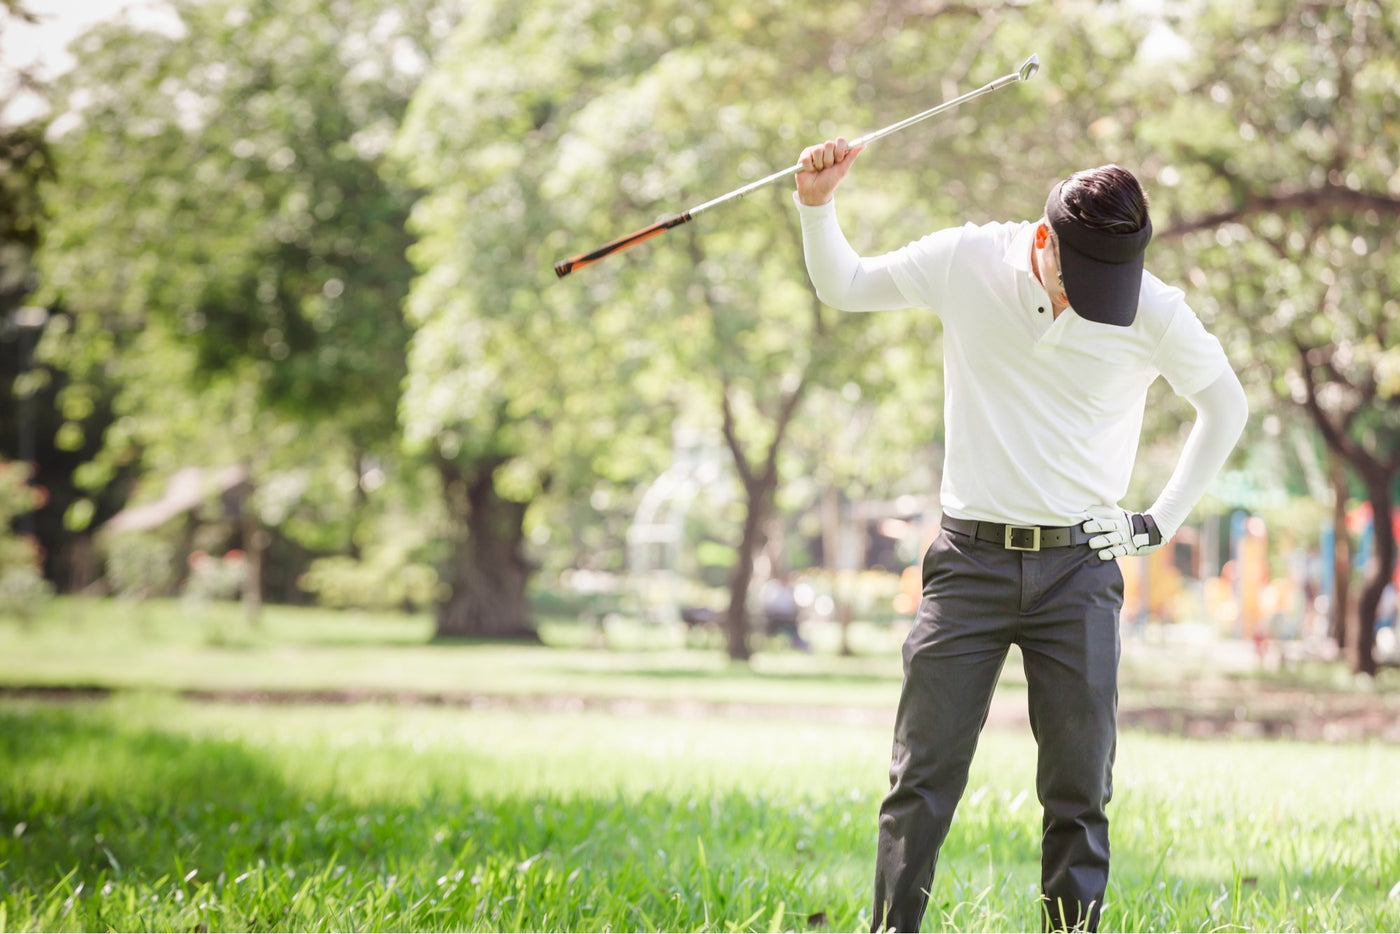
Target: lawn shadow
{"type": "Point", "coordinates": [86, 794]}
{"type": "Point", "coordinates": [89, 802]}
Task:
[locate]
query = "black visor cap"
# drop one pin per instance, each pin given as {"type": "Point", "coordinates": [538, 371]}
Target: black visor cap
{"type": "Point", "coordinates": [1102, 269]}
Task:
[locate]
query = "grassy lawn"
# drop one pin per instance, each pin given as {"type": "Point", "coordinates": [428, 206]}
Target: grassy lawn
{"type": "Point", "coordinates": [723, 801]}
{"type": "Point", "coordinates": [168, 646]}
{"type": "Point", "coordinates": [163, 645]}
{"type": "Point", "coordinates": [150, 813]}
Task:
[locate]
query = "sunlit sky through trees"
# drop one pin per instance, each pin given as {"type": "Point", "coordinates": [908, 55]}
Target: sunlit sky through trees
{"type": "Point", "coordinates": [42, 47]}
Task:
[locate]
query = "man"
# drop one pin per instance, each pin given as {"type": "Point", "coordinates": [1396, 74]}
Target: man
{"type": "Point", "coordinates": [1052, 333]}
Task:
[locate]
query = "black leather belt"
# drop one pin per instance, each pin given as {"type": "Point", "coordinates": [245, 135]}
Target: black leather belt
{"type": "Point", "coordinates": [1019, 537]}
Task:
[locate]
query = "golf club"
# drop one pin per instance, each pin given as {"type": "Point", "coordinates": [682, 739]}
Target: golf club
{"type": "Point", "coordinates": [566, 266]}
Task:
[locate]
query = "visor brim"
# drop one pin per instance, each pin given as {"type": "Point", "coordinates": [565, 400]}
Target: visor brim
{"type": "Point", "coordinates": [1102, 269]}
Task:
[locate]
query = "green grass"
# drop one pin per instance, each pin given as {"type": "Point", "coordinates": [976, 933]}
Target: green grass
{"type": "Point", "coordinates": [165, 645]}
{"type": "Point", "coordinates": [161, 645]}
{"type": "Point", "coordinates": [148, 813]}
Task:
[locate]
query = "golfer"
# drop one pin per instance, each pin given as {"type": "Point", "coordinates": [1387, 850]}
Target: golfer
{"type": "Point", "coordinates": [1052, 333]}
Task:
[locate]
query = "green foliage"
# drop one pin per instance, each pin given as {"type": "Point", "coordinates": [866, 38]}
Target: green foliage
{"type": "Point", "coordinates": [25, 164]}
{"type": "Point", "coordinates": [215, 577]}
{"type": "Point", "coordinates": [500, 368]}
{"type": "Point", "coordinates": [141, 565]}
{"type": "Point", "coordinates": [23, 590]}
{"type": "Point", "coordinates": [397, 543]}
{"type": "Point", "coordinates": [1285, 208]}
{"type": "Point", "coordinates": [233, 256]}
{"type": "Point", "coordinates": [548, 127]}
{"type": "Point", "coordinates": [231, 247]}
{"type": "Point", "coordinates": [226, 185]}
{"type": "Point", "coordinates": [383, 580]}
{"type": "Point", "coordinates": [17, 497]}
{"type": "Point", "coordinates": [1288, 215]}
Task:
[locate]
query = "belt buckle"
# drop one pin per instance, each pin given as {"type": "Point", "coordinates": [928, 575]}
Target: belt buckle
{"type": "Point", "coordinates": [1018, 535]}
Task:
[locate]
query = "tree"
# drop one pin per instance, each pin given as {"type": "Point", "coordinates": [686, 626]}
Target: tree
{"type": "Point", "coordinates": [223, 196]}
{"type": "Point", "coordinates": [28, 388]}
{"type": "Point", "coordinates": [1285, 198]}
{"type": "Point", "coordinates": [25, 164]}
{"type": "Point", "coordinates": [542, 128]}
{"type": "Point", "coordinates": [516, 388]}
{"type": "Point", "coordinates": [728, 294]}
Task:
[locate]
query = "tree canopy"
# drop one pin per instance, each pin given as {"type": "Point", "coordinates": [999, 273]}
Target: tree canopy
{"type": "Point", "coordinates": [318, 230]}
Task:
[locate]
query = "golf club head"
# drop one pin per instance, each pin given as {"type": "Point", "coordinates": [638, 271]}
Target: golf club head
{"type": "Point", "coordinates": [1031, 66]}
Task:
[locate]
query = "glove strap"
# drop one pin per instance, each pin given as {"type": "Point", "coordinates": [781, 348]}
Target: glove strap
{"type": "Point", "coordinates": [1144, 524]}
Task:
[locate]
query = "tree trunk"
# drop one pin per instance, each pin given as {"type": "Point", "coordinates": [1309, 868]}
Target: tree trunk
{"type": "Point", "coordinates": [1341, 556]}
{"type": "Point", "coordinates": [736, 619]}
{"type": "Point", "coordinates": [488, 571]}
{"type": "Point", "coordinates": [1362, 655]}
{"type": "Point", "coordinates": [358, 504]}
{"type": "Point", "coordinates": [832, 534]}
{"type": "Point", "coordinates": [761, 487]}
{"type": "Point", "coordinates": [255, 541]}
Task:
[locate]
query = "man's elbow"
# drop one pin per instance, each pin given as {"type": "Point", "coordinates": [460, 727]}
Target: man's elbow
{"type": "Point", "coordinates": [831, 294]}
{"type": "Point", "coordinates": [1239, 404]}
{"type": "Point", "coordinates": [1224, 406]}
{"type": "Point", "coordinates": [840, 303]}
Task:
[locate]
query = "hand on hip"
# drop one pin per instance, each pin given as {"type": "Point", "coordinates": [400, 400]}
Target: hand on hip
{"type": "Point", "coordinates": [1118, 533]}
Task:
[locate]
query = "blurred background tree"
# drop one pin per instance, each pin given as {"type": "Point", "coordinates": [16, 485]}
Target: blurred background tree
{"type": "Point", "coordinates": [515, 390]}
{"type": "Point", "coordinates": [313, 241]}
{"type": "Point", "coordinates": [27, 387]}
{"type": "Point", "coordinates": [231, 252]}
{"type": "Point", "coordinates": [24, 162]}
{"type": "Point", "coordinates": [1282, 197]}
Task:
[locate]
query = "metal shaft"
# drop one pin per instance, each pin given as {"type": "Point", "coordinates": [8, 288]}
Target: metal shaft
{"type": "Point", "coordinates": [1031, 66]}
{"type": "Point", "coordinates": [566, 266]}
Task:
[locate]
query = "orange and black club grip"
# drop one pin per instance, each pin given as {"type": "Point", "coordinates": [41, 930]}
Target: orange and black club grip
{"type": "Point", "coordinates": [566, 266]}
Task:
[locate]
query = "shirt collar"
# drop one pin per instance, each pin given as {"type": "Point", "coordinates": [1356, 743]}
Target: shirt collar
{"type": "Point", "coordinates": [1018, 253]}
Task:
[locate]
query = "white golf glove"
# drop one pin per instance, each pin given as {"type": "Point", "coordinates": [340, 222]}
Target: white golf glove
{"type": "Point", "coordinates": [1123, 533]}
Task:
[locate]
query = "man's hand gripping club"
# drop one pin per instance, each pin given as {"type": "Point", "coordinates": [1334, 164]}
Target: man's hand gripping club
{"type": "Point", "coordinates": [1123, 533]}
{"type": "Point", "coordinates": [823, 167]}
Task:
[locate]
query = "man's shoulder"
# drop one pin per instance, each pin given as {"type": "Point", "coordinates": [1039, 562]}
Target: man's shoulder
{"type": "Point", "coordinates": [991, 231]}
{"type": "Point", "coordinates": [1159, 304]}
{"type": "Point", "coordinates": [933, 271]}
{"type": "Point", "coordinates": [995, 233]}
{"type": "Point", "coordinates": [972, 241]}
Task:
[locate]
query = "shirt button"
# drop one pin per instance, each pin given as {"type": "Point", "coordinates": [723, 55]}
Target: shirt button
{"type": "Point", "coordinates": [1041, 309]}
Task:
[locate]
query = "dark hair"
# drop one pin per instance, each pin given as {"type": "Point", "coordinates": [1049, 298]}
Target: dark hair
{"type": "Point", "coordinates": [1107, 198]}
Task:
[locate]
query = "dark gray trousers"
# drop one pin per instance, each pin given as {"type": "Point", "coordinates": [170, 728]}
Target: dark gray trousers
{"type": "Point", "coordinates": [1060, 606]}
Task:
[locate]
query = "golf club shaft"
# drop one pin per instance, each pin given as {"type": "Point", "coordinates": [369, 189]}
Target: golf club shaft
{"type": "Point", "coordinates": [566, 266]}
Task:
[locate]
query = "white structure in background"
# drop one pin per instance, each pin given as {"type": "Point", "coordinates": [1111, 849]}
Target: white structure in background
{"type": "Point", "coordinates": [657, 534]}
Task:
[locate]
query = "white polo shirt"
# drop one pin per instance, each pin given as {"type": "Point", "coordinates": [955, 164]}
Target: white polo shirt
{"type": "Point", "coordinates": [1042, 414]}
